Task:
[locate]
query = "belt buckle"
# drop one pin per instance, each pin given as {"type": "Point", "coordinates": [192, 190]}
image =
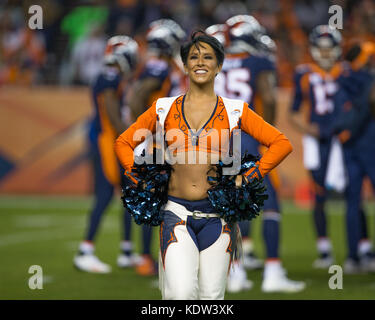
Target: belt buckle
{"type": "Point", "coordinates": [195, 214]}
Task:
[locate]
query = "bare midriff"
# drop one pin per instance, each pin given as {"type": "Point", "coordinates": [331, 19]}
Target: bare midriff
{"type": "Point", "coordinates": [189, 175]}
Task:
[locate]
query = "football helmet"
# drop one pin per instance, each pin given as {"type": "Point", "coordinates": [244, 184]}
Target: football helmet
{"type": "Point", "coordinates": [164, 37]}
{"type": "Point", "coordinates": [325, 45]}
{"type": "Point", "coordinates": [122, 50]}
{"type": "Point", "coordinates": [172, 25]}
{"type": "Point", "coordinates": [266, 46]}
{"type": "Point", "coordinates": [219, 31]}
{"type": "Point", "coordinates": [244, 33]}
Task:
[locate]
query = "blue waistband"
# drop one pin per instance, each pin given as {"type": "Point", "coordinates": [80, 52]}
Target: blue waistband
{"type": "Point", "coordinates": [203, 205]}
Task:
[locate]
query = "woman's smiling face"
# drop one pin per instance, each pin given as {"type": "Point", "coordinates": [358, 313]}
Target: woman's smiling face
{"type": "Point", "coordinates": [202, 65]}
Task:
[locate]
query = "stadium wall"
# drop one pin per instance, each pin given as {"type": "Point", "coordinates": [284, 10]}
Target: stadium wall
{"type": "Point", "coordinates": [43, 142]}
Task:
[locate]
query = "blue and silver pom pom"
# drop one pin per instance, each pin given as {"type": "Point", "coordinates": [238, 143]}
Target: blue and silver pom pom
{"type": "Point", "coordinates": [145, 199]}
{"type": "Point", "coordinates": [234, 203]}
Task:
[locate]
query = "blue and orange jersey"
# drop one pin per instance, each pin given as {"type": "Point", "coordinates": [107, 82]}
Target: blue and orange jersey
{"type": "Point", "coordinates": [186, 139]}
{"type": "Point", "coordinates": [169, 79]}
{"type": "Point", "coordinates": [109, 78]}
{"type": "Point", "coordinates": [237, 79]}
{"type": "Point", "coordinates": [354, 113]}
{"type": "Point", "coordinates": [102, 134]}
{"type": "Point", "coordinates": [354, 82]}
{"type": "Point", "coordinates": [358, 76]}
{"type": "Point", "coordinates": [317, 89]}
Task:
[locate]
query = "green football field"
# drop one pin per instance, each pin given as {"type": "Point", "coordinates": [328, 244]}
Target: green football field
{"type": "Point", "coordinates": [46, 231]}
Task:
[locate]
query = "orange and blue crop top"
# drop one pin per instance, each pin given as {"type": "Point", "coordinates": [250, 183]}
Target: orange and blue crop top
{"type": "Point", "coordinates": [185, 139]}
{"type": "Point", "coordinates": [207, 139]}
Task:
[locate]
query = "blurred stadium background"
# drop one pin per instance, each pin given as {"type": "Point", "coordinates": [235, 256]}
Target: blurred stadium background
{"type": "Point", "coordinates": [45, 105]}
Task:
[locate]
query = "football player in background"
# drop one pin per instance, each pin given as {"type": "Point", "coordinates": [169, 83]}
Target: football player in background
{"type": "Point", "coordinates": [120, 60]}
{"type": "Point", "coordinates": [250, 260]}
{"type": "Point", "coordinates": [160, 77]}
{"type": "Point", "coordinates": [316, 87]}
{"type": "Point", "coordinates": [355, 128]}
{"type": "Point", "coordinates": [249, 74]}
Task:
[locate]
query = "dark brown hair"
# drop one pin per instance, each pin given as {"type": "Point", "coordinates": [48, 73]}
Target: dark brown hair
{"type": "Point", "coordinates": [201, 36]}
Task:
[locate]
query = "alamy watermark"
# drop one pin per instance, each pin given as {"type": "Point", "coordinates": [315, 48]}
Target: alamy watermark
{"type": "Point", "coordinates": [36, 19]}
{"type": "Point", "coordinates": [336, 20]}
{"type": "Point", "coordinates": [336, 280]}
{"type": "Point", "coordinates": [36, 280]}
{"type": "Point", "coordinates": [223, 143]}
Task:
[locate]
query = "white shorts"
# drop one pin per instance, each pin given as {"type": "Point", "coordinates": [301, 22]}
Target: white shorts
{"type": "Point", "coordinates": [194, 256]}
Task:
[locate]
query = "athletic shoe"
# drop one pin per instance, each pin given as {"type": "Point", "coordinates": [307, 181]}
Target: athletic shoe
{"type": "Point", "coordinates": [370, 266]}
{"type": "Point", "coordinates": [126, 261]}
{"type": "Point", "coordinates": [367, 262]}
{"type": "Point", "coordinates": [275, 280]}
{"type": "Point", "coordinates": [324, 262]}
{"type": "Point", "coordinates": [90, 263]}
{"type": "Point", "coordinates": [237, 279]}
{"type": "Point", "coordinates": [146, 266]}
{"type": "Point", "coordinates": [251, 262]}
{"type": "Point", "coordinates": [352, 266]}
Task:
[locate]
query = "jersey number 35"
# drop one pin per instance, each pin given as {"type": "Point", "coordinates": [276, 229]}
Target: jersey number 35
{"type": "Point", "coordinates": [234, 84]}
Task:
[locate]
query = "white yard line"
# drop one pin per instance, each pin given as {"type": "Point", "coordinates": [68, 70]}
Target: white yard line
{"type": "Point", "coordinates": [52, 202]}
{"type": "Point", "coordinates": [67, 230]}
{"type": "Point", "coordinates": [32, 236]}
{"type": "Point", "coordinates": [45, 220]}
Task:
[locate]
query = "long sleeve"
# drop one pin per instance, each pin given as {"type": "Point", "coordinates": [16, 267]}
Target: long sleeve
{"type": "Point", "coordinates": [127, 141]}
{"type": "Point", "coordinates": [278, 144]}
